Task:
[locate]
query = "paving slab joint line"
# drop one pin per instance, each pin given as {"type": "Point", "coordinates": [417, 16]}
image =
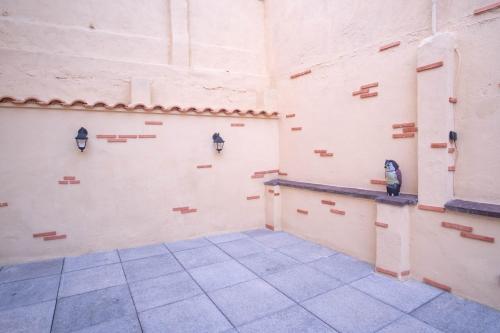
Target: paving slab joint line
{"type": "Point", "coordinates": [57, 295]}
{"type": "Point", "coordinates": [33, 278]}
{"type": "Point", "coordinates": [430, 300]}
{"type": "Point", "coordinates": [199, 286]}
{"type": "Point", "coordinates": [392, 322]}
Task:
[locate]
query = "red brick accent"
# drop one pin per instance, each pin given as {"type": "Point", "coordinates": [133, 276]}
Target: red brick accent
{"type": "Point", "coordinates": [48, 238]}
{"type": "Point", "coordinates": [369, 85]}
{"type": "Point", "coordinates": [190, 210]}
{"type": "Point", "coordinates": [381, 225]}
{"type": "Point", "coordinates": [477, 237]}
{"type": "Point", "coordinates": [290, 115]}
{"type": "Point", "coordinates": [3, 204]}
{"type": "Point", "coordinates": [63, 182]}
{"type": "Point", "coordinates": [431, 208]}
{"type": "Point", "coordinates": [328, 202]}
{"type": "Point", "coordinates": [451, 168]}
{"type": "Point", "coordinates": [127, 136]}
{"type": "Point", "coordinates": [147, 136]}
{"type": "Point", "coordinates": [429, 66]}
{"type": "Point", "coordinates": [259, 175]}
{"type": "Point", "coordinates": [320, 151]}
{"type": "Point", "coordinates": [456, 226]}
{"type": "Point", "coordinates": [386, 271]}
{"type": "Point", "coordinates": [403, 135]}
{"type": "Point", "coordinates": [237, 125]}
{"type": "Point", "coordinates": [117, 140]}
{"type": "Point", "coordinates": [326, 154]}
{"type": "Point", "coordinates": [437, 284]}
{"type": "Point", "coordinates": [294, 76]}
{"type": "Point", "coordinates": [266, 171]}
{"type": "Point", "coordinates": [296, 128]}
{"type": "Point", "coordinates": [44, 234]}
{"type": "Point", "coordinates": [452, 100]}
{"type": "Point", "coordinates": [253, 197]}
{"type": "Point", "coordinates": [69, 177]}
{"type": "Point", "coordinates": [276, 194]}
{"type": "Point", "coordinates": [360, 91]}
{"type": "Point", "coordinates": [378, 182]}
{"type": "Point", "coordinates": [204, 166]}
{"type": "Point", "coordinates": [180, 209]}
{"type": "Point", "coordinates": [74, 182]}
{"type": "Point", "coordinates": [150, 122]}
{"type": "Point", "coordinates": [105, 136]}
{"type": "Point", "coordinates": [403, 125]}
{"type": "Point", "coordinates": [388, 46]}
{"type": "Point", "coordinates": [485, 9]}
{"type": "Point", "coordinates": [439, 145]}
{"type": "Point", "coordinates": [410, 129]}
{"type": "Point", "coordinates": [270, 227]}
{"type": "Point", "coordinates": [373, 94]}
{"type": "Point", "coordinates": [451, 150]}
{"type": "Point", "coordinates": [270, 191]}
{"type": "Point", "coordinates": [405, 273]}
{"type": "Point", "coordinates": [337, 211]}
{"type": "Point", "coordinates": [302, 211]}
{"type": "Point", "coordinates": [282, 174]}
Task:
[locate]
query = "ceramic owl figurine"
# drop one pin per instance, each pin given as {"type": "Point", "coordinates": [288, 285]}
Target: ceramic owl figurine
{"type": "Point", "coordinates": [393, 177]}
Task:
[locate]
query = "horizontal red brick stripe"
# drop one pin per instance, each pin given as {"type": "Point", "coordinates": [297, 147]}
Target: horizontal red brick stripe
{"type": "Point", "coordinates": [378, 182]}
{"type": "Point", "coordinates": [452, 100]}
{"type": "Point", "coordinates": [270, 191]}
{"type": "Point", "coordinates": [456, 226]}
{"type": "Point", "coordinates": [477, 237]}
{"type": "Point", "coordinates": [127, 136]}
{"type": "Point", "coordinates": [237, 125]}
{"type": "Point", "coordinates": [296, 128]}
{"type": "Point", "coordinates": [405, 273]}
{"type": "Point", "coordinates": [3, 204]}
{"type": "Point", "coordinates": [403, 125]}
{"type": "Point", "coordinates": [294, 76]}
{"type": "Point", "coordinates": [386, 271]}
{"type": "Point", "coordinates": [439, 145]}
{"type": "Point", "coordinates": [326, 154]}
{"type": "Point", "coordinates": [290, 115]}
{"type": "Point", "coordinates": [369, 85]}
{"type": "Point", "coordinates": [178, 209]}
{"type": "Point", "coordinates": [276, 194]}
{"type": "Point", "coordinates": [48, 238]}
{"type": "Point", "coordinates": [451, 150]}
{"type": "Point", "coordinates": [105, 136]}
{"type": "Point", "coordinates": [485, 9]}
{"type": "Point", "coordinates": [437, 284]}
{"type": "Point", "coordinates": [430, 66]}
{"type": "Point", "coordinates": [117, 140]}
{"type": "Point", "coordinates": [302, 211]}
{"type": "Point", "coordinates": [410, 129]}
{"type": "Point", "coordinates": [282, 173]}
{"type": "Point", "coordinates": [69, 177]}
{"type": "Point", "coordinates": [253, 197]}
{"type": "Point", "coordinates": [373, 94]}
{"type": "Point", "coordinates": [431, 208]}
{"type": "Point", "coordinates": [270, 227]}
{"type": "Point", "coordinates": [328, 202]}
{"type": "Point", "coordinates": [149, 122]}
{"type": "Point", "coordinates": [319, 151]}
{"type": "Point", "coordinates": [74, 182]}
{"type": "Point", "coordinates": [361, 91]}
{"type": "Point", "coordinates": [204, 166]}
{"type": "Point", "coordinates": [451, 168]}
{"type": "Point", "coordinates": [259, 175]}
{"type": "Point", "coordinates": [337, 211]}
{"type": "Point", "coordinates": [190, 210]}
{"type": "Point", "coordinates": [266, 171]}
{"type": "Point", "coordinates": [63, 182]}
{"type": "Point", "coordinates": [44, 234]}
{"type": "Point", "coordinates": [403, 135]}
{"type": "Point", "coordinates": [147, 136]}
{"type": "Point", "coordinates": [381, 225]}
{"type": "Point", "coordinates": [388, 46]}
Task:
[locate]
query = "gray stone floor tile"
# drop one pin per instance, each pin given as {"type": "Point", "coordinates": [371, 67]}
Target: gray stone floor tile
{"type": "Point", "coordinates": [28, 319]}
{"type": "Point", "coordinates": [258, 232]}
{"type": "Point", "coordinates": [278, 239]}
{"type": "Point", "coordinates": [142, 252]}
{"type": "Point", "coordinates": [306, 251]}
{"type": "Point", "coordinates": [406, 296]}
{"type": "Point", "coordinates": [163, 290]}
{"type": "Point", "coordinates": [127, 324]}
{"type": "Point", "coordinates": [450, 313]}
{"type": "Point", "coordinates": [292, 320]}
{"type": "Point", "coordinates": [20, 293]}
{"type": "Point", "coordinates": [301, 282]}
{"type": "Point", "coordinates": [221, 275]}
{"type": "Point", "coordinates": [90, 260]}
{"type": "Point", "coordinates": [85, 280]}
{"type": "Point", "coordinates": [201, 256]}
{"type": "Point", "coordinates": [188, 244]}
{"type": "Point", "coordinates": [90, 309]}
{"type": "Point", "coordinates": [31, 270]}
{"type": "Point", "coordinates": [407, 324]}
{"type": "Point", "coordinates": [267, 262]}
{"type": "Point", "coordinates": [226, 237]}
{"type": "Point", "coordinates": [343, 267]}
{"type": "Point", "coordinates": [150, 267]}
{"type": "Point", "coordinates": [194, 315]}
{"type": "Point", "coordinates": [242, 247]}
{"type": "Point", "coordinates": [349, 310]}
{"type": "Point", "coordinates": [248, 301]}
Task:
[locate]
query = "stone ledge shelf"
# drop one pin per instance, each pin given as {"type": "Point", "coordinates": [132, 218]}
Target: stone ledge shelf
{"type": "Point", "coordinates": [472, 207]}
{"type": "Point", "coordinates": [379, 196]}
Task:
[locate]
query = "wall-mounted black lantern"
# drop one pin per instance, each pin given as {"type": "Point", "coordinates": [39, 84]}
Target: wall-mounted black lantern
{"type": "Point", "coordinates": [81, 139]}
{"type": "Point", "coordinates": [218, 142]}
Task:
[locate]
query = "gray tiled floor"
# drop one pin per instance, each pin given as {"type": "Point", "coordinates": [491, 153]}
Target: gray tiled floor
{"type": "Point", "coordinates": [254, 281]}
